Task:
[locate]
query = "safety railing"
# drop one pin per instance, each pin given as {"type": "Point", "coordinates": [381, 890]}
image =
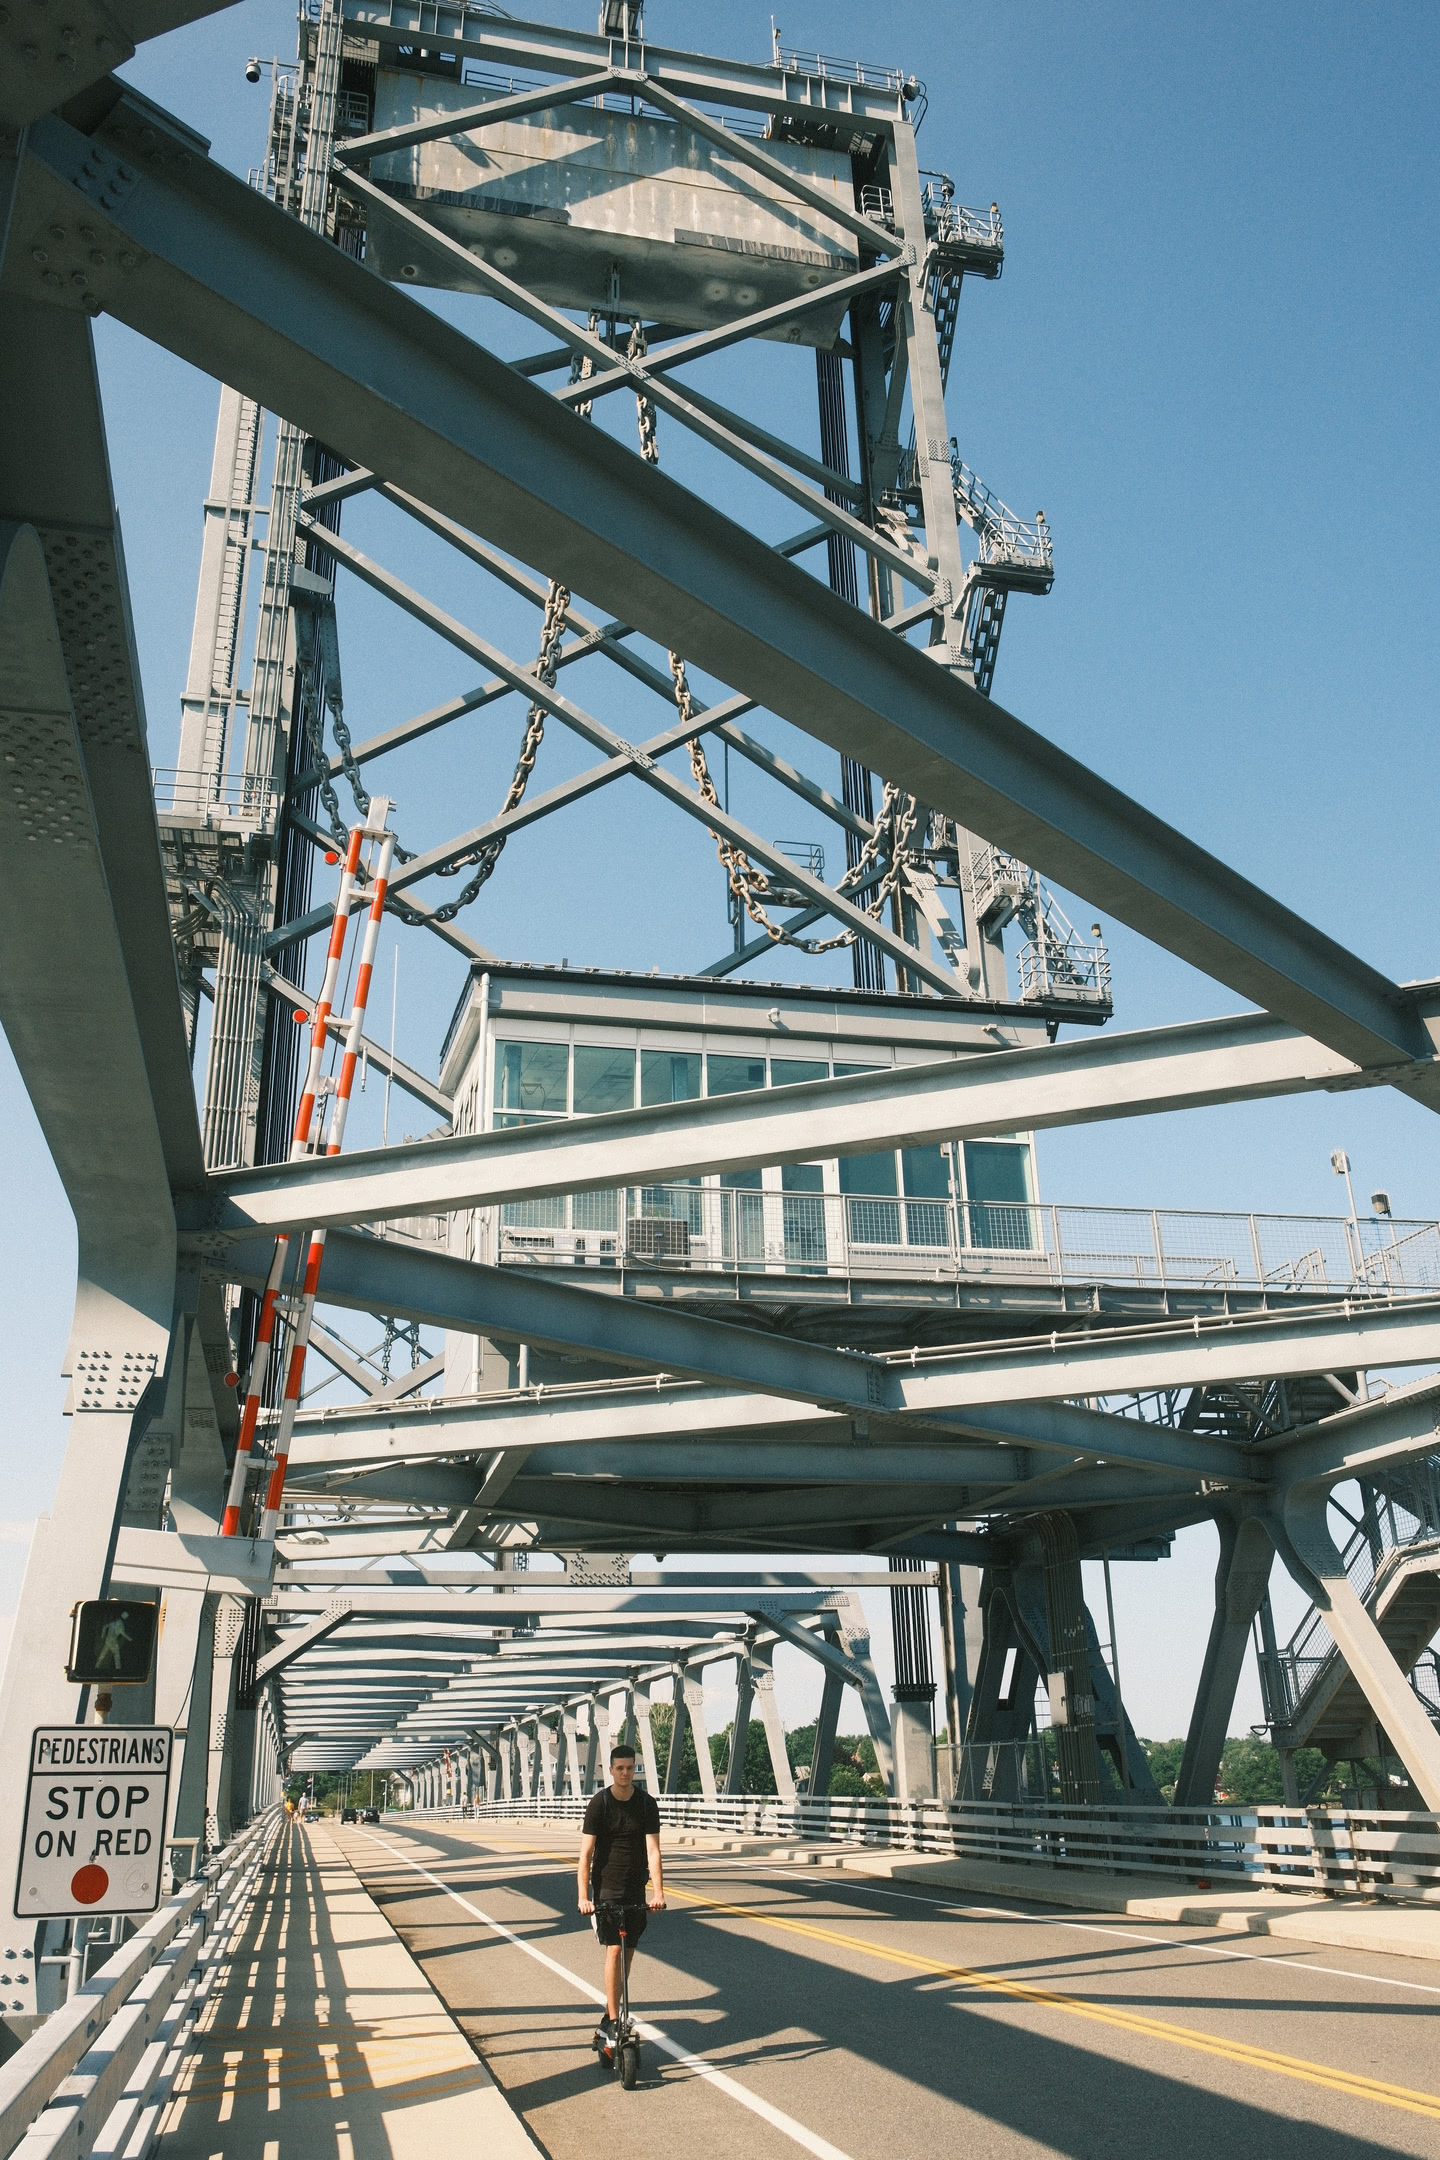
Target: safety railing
{"type": "Point", "coordinates": [1328, 1850]}
{"type": "Point", "coordinates": [1003, 537]}
{"type": "Point", "coordinates": [1054, 971]}
{"type": "Point", "coordinates": [954, 226]}
{"type": "Point", "coordinates": [212, 798]}
{"type": "Point", "coordinates": [870, 75]}
{"type": "Point", "coordinates": [720, 1229]}
{"type": "Point", "coordinates": [96, 2076]}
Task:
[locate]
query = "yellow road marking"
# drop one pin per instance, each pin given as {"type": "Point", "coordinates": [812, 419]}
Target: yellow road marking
{"type": "Point", "coordinates": [1237, 2051]}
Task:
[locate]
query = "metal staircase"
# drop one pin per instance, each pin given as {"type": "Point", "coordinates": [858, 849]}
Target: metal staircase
{"type": "Point", "coordinates": [1393, 1561]}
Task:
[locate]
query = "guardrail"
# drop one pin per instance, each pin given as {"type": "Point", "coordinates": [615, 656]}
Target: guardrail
{"type": "Point", "coordinates": [199, 798]}
{"type": "Point", "coordinates": [1333, 1851]}
{"type": "Point", "coordinates": [95, 2078]}
{"type": "Point", "coordinates": [709, 1227]}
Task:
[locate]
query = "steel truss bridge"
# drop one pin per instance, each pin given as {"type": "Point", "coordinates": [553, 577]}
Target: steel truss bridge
{"type": "Point", "coordinates": [768, 1356]}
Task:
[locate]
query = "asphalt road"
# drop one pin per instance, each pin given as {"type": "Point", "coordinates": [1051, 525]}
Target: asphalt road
{"type": "Point", "coordinates": [792, 2011]}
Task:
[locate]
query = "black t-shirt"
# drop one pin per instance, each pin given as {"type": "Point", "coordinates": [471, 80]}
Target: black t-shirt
{"type": "Point", "coordinates": [620, 1868]}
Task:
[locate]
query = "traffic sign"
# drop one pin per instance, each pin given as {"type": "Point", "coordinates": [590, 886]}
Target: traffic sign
{"type": "Point", "coordinates": [94, 1820]}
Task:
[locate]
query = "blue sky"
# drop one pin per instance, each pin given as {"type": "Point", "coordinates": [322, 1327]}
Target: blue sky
{"type": "Point", "coordinates": [1211, 359]}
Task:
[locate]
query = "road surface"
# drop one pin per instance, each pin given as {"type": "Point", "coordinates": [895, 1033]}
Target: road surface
{"type": "Point", "coordinates": [794, 2010]}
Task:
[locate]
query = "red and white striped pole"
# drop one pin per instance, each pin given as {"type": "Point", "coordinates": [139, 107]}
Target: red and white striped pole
{"type": "Point", "coordinates": [259, 1373]}
{"type": "Point", "coordinates": [340, 1108]}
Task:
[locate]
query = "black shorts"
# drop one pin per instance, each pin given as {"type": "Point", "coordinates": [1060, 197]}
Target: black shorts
{"type": "Point", "coordinates": [606, 1922]}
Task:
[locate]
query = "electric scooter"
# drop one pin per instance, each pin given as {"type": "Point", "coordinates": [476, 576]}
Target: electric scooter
{"type": "Point", "coordinates": [624, 2051]}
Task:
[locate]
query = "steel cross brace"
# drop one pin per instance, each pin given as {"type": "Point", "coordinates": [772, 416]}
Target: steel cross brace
{"type": "Point", "coordinates": [625, 758]}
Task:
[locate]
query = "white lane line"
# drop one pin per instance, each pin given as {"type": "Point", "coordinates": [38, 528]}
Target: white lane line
{"type": "Point", "coordinates": [777, 2119]}
{"type": "Point", "coordinates": [1281, 1963]}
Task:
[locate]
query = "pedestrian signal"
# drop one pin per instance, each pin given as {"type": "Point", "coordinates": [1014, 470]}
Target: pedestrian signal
{"type": "Point", "coordinates": [112, 1642]}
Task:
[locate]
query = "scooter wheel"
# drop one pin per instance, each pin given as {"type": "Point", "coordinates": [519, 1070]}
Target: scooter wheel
{"type": "Point", "coordinates": [630, 2064]}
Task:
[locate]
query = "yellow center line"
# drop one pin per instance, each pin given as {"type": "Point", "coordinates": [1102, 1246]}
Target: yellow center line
{"type": "Point", "coordinates": [1237, 2051]}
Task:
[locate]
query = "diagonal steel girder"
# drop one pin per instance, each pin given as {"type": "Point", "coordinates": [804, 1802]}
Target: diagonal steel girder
{"type": "Point", "coordinates": [1239, 1059]}
{"type": "Point", "coordinates": [694, 1432]}
{"type": "Point", "coordinates": [208, 268]}
{"type": "Point", "coordinates": [448, 1292]}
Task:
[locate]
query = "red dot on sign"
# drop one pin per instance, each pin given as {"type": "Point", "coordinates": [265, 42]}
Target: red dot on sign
{"type": "Point", "coordinates": [232, 1379]}
{"type": "Point", "coordinates": [331, 856]}
{"type": "Point", "coordinates": [88, 1885]}
{"type": "Point", "coordinates": [301, 1018]}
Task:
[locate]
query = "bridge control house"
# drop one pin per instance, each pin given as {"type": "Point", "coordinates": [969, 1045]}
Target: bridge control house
{"type": "Point", "coordinates": [848, 1248]}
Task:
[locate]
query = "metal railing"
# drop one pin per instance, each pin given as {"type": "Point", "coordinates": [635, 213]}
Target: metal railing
{"type": "Point", "coordinates": [715, 1228]}
{"type": "Point", "coordinates": [952, 225]}
{"type": "Point", "coordinates": [792, 61]}
{"type": "Point", "coordinates": [1003, 537]}
{"type": "Point", "coordinates": [1052, 971]}
{"type": "Point", "coordinates": [1332, 1850]}
{"type": "Point", "coordinates": [96, 2076]}
{"type": "Point", "coordinates": [213, 798]}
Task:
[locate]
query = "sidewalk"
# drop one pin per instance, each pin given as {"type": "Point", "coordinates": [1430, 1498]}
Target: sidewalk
{"type": "Point", "coordinates": [325, 2038]}
{"type": "Point", "coordinates": [1411, 1931]}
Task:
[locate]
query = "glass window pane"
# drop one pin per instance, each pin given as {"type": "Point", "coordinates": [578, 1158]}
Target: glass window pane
{"type": "Point", "coordinates": [927, 1173]}
{"type": "Point", "coordinates": [997, 1170]}
{"type": "Point", "coordinates": [595, 1210]}
{"type": "Point", "coordinates": [997, 1175]}
{"type": "Point", "coordinates": [734, 1075]}
{"type": "Point", "coordinates": [869, 1174]}
{"type": "Point", "coordinates": [532, 1076]}
{"type": "Point", "coordinates": [604, 1079]}
{"type": "Point", "coordinates": [534, 1214]}
{"type": "Point", "coordinates": [802, 1177]}
{"type": "Point", "coordinates": [846, 1072]}
{"type": "Point", "coordinates": [788, 1072]}
{"type": "Point", "coordinates": [742, 1181]}
{"type": "Point", "coordinates": [668, 1076]}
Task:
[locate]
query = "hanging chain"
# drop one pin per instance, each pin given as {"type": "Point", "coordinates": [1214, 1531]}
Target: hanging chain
{"type": "Point", "coordinates": [750, 885]}
{"type": "Point", "coordinates": [483, 858]}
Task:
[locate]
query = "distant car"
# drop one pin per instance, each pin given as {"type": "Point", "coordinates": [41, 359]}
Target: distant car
{"type": "Point", "coordinates": [370, 1814]}
{"type": "Point", "coordinates": [348, 1814]}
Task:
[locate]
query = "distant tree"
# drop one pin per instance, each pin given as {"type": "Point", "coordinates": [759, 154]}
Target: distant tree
{"type": "Point", "coordinates": [1164, 1758]}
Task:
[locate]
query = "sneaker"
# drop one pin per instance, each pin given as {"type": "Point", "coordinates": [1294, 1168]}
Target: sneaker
{"type": "Point", "coordinates": [604, 2039]}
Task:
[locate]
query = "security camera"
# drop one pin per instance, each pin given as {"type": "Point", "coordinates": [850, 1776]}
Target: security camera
{"type": "Point", "coordinates": [252, 71]}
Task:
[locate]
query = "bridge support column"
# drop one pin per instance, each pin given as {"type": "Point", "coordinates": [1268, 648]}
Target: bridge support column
{"type": "Point", "coordinates": [679, 1725]}
{"type": "Point", "coordinates": [694, 1689]}
{"type": "Point", "coordinates": [1002, 1705]}
{"type": "Point", "coordinates": [572, 1774]}
{"type": "Point", "coordinates": [762, 1676]}
{"type": "Point", "coordinates": [740, 1730]}
{"type": "Point", "coordinates": [229, 1633]}
{"type": "Point", "coordinates": [1242, 1576]}
{"type": "Point", "coordinates": [822, 1755]}
{"type": "Point", "coordinates": [525, 1751]}
{"type": "Point", "coordinates": [1309, 1552]}
{"type": "Point", "coordinates": [1072, 1703]}
{"type": "Point", "coordinates": [642, 1699]}
{"type": "Point", "coordinates": [960, 1639]}
{"type": "Point", "coordinates": [590, 1767]}
{"type": "Point", "coordinates": [545, 1755]}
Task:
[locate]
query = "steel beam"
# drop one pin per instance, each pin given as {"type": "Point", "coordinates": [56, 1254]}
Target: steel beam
{"type": "Point", "coordinates": [1241, 1059]}
{"type": "Point", "coordinates": [229, 282]}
